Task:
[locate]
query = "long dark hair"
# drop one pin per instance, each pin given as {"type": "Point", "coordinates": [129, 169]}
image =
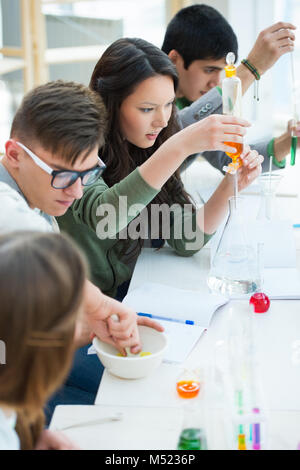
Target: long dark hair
{"type": "Point", "coordinates": [123, 66]}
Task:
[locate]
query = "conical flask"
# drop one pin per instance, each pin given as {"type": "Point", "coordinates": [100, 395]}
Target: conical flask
{"type": "Point", "coordinates": [234, 268]}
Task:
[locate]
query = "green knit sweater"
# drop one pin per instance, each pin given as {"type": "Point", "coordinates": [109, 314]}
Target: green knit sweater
{"type": "Point", "coordinates": [107, 266]}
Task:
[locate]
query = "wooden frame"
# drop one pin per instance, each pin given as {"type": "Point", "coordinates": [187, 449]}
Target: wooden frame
{"type": "Point", "coordinates": [20, 58]}
{"type": "Point", "coordinates": [172, 7]}
{"type": "Point", "coordinates": [33, 57]}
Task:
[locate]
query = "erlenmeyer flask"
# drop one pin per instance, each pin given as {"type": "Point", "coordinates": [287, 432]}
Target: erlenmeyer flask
{"type": "Point", "coordinates": [234, 268]}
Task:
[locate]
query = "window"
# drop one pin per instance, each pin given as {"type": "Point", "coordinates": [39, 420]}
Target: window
{"type": "Point", "coordinates": [75, 24]}
{"type": "Point", "coordinates": [140, 18]}
{"type": "Point", "coordinates": [275, 107]}
{"type": "Point", "coordinates": [288, 10]}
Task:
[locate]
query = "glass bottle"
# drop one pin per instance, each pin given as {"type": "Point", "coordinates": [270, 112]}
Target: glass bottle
{"type": "Point", "coordinates": [193, 435]}
{"type": "Point", "coordinates": [192, 439]}
{"type": "Point", "coordinates": [188, 384]}
{"type": "Point", "coordinates": [234, 268]}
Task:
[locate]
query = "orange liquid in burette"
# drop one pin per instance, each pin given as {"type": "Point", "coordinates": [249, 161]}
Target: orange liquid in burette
{"type": "Point", "coordinates": [236, 155]}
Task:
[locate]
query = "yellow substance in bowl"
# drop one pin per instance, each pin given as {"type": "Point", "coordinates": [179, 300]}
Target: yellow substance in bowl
{"type": "Point", "coordinates": [141, 354]}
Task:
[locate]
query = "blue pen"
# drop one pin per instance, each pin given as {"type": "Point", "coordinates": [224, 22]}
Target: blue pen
{"type": "Point", "coordinates": [157, 317]}
{"type": "Point", "coordinates": [296, 225]}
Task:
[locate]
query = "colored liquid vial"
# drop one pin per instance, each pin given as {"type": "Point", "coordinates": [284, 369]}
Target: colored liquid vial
{"type": "Point", "coordinates": [293, 150]}
{"type": "Point", "coordinates": [256, 433]}
{"type": "Point", "coordinates": [192, 439]}
{"type": "Point", "coordinates": [236, 160]}
{"type": "Point", "coordinates": [188, 384]}
{"type": "Point", "coordinates": [239, 149]}
{"type": "Point", "coordinates": [242, 442]}
{"type": "Point", "coordinates": [188, 388]}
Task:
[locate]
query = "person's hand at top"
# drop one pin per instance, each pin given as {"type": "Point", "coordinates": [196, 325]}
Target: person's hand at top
{"type": "Point", "coordinates": [271, 44]}
{"type": "Point", "coordinates": [213, 132]}
{"type": "Point", "coordinates": [294, 129]}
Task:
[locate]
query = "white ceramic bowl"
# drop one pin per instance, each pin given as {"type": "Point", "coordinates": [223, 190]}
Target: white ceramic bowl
{"type": "Point", "coordinates": [133, 367]}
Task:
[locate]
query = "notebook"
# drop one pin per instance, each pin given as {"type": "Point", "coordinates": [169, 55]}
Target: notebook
{"type": "Point", "coordinates": [166, 301]}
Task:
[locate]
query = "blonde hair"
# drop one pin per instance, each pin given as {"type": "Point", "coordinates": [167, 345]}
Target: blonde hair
{"type": "Point", "coordinates": [41, 291]}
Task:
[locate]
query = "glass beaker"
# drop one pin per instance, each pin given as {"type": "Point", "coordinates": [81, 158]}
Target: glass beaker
{"type": "Point", "coordinates": [268, 183]}
{"type": "Point", "coordinates": [188, 384]}
{"type": "Point", "coordinates": [192, 439]}
{"type": "Point", "coordinates": [234, 268]}
{"type": "Point", "coordinates": [193, 435]}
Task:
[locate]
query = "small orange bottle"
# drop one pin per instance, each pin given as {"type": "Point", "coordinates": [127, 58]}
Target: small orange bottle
{"type": "Point", "coordinates": [188, 385]}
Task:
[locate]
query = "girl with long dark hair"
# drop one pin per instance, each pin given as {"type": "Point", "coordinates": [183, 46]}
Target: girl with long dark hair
{"type": "Point", "coordinates": [143, 151]}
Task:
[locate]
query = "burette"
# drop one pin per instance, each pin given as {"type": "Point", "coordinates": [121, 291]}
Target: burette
{"type": "Point", "coordinates": [295, 115]}
{"type": "Point", "coordinates": [232, 105]}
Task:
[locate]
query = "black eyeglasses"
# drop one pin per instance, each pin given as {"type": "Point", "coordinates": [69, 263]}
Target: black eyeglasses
{"type": "Point", "coordinates": [62, 179]}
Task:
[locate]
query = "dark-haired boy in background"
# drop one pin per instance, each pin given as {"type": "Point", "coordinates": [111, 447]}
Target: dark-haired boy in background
{"type": "Point", "coordinates": [197, 41]}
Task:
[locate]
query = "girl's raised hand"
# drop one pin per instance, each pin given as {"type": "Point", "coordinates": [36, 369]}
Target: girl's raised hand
{"type": "Point", "coordinates": [251, 167]}
{"type": "Point", "coordinates": [213, 132]}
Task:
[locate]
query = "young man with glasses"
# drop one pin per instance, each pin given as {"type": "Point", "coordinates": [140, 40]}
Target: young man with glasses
{"type": "Point", "coordinates": [55, 137]}
{"type": "Point", "coordinates": [51, 155]}
{"type": "Point", "coordinates": [66, 178]}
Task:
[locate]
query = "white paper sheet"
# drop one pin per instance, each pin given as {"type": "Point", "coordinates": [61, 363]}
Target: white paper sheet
{"type": "Point", "coordinates": [186, 273]}
{"type": "Point", "coordinates": [158, 299]}
{"type": "Point", "coordinates": [282, 283]}
{"type": "Point", "coordinates": [278, 284]}
{"type": "Point", "coordinates": [182, 339]}
{"type": "Point", "coordinates": [165, 301]}
{"type": "Point", "coordinates": [279, 249]}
